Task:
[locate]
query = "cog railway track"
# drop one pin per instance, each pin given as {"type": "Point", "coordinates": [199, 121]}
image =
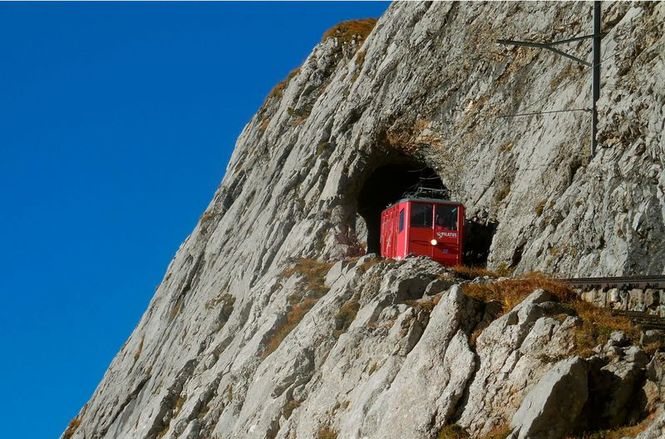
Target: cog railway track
{"type": "Point", "coordinates": [625, 283]}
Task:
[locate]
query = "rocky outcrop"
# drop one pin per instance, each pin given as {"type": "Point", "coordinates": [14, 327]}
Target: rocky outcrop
{"type": "Point", "coordinates": [551, 408]}
{"type": "Point", "coordinates": [375, 356]}
{"type": "Point", "coordinates": [267, 325]}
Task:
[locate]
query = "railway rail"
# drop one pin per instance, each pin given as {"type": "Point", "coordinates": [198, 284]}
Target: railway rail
{"type": "Point", "coordinates": [625, 283]}
{"type": "Point", "coordinates": [621, 282]}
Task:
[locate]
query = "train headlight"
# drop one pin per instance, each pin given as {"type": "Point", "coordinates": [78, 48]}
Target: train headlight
{"type": "Point", "coordinates": [434, 242]}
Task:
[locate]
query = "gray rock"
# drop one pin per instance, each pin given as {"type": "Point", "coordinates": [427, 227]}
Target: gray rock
{"type": "Point", "coordinates": [514, 352]}
{"type": "Point", "coordinates": [551, 408]}
{"type": "Point", "coordinates": [618, 338]}
{"type": "Point", "coordinates": [437, 286]}
{"type": "Point", "coordinates": [656, 430]}
{"type": "Point", "coordinates": [654, 387]}
{"type": "Point", "coordinates": [613, 295]}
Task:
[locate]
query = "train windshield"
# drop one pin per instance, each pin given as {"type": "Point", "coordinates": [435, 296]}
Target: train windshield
{"type": "Point", "coordinates": [446, 216]}
{"type": "Point", "coordinates": [421, 215]}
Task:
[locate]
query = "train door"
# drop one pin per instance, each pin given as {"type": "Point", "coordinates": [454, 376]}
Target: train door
{"type": "Point", "coordinates": [402, 232]}
{"type": "Point", "coordinates": [421, 232]}
{"type": "Point", "coordinates": [388, 232]}
{"type": "Point", "coordinates": [447, 234]}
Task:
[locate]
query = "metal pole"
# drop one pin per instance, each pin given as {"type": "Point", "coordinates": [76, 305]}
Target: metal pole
{"type": "Point", "coordinates": [595, 79]}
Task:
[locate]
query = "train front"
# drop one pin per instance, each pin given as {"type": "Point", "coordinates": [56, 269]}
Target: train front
{"type": "Point", "coordinates": [436, 230]}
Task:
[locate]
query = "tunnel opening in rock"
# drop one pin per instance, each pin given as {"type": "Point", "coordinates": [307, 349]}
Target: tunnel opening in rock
{"type": "Point", "coordinates": [386, 185]}
{"type": "Point", "coordinates": [391, 182]}
{"type": "Point", "coordinates": [478, 236]}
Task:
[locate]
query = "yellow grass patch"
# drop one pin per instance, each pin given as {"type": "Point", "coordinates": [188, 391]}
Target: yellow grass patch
{"type": "Point", "coordinates": [347, 30]}
{"type": "Point", "coordinates": [510, 292]}
{"type": "Point", "coordinates": [597, 323]}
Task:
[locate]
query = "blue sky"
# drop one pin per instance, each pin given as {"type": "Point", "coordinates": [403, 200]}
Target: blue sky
{"type": "Point", "coordinates": [116, 124]}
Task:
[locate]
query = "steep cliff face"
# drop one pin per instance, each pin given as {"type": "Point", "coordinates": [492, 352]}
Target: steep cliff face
{"type": "Point", "coordinates": [245, 338]}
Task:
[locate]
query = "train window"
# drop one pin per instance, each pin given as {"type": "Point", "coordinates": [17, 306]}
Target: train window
{"type": "Point", "coordinates": [401, 220]}
{"type": "Point", "coordinates": [446, 216]}
{"type": "Point", "coordinates": [421, 215]}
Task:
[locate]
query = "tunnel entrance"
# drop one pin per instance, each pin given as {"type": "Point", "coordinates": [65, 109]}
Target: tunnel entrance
{"type": "Point", "coordinates": [386, 185]}
{"type": "Point", "coordinates": [478, 237]}
{"type": "Point", "coordinates": [389, 183]}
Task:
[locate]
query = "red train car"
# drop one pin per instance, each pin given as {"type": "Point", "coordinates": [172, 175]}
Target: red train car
{"type": "Point", "coordinates": [421, 226]}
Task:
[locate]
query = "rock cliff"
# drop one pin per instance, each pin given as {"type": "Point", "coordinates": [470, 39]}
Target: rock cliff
{"type": "Point", "coordinates": [270, 323]}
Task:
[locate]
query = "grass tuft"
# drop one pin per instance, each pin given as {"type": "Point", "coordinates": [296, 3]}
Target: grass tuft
{"type": "Point", "coordinates": [289, 407]}
{"type": "Point", "coordinates": [453, 431]}
{"type": "Point", "coordinates": [326, 433]}
{"type": "Point", "coordinates": [597, 324]}
{"type": "Point", "coordinates": [369, 263]}
{"type": "Point", "coordinates": [469, 273]}
{"type": "Point", "coordinates": [621, 432]}
{"type": "Point", "coordinates": [426, 305]}
{"type": "Point", "coordinates": [500, 432]}
{"type": "Point", "coordinates": [347, 31]}
{"type": "Point", "coordinates": [511, 292]}
{"type": "Point", "coordinates": [293, 317]}
{"type": "Point", "coordinates": [71, 428]}
{"type": "Point", "coordinates": [345, 316]}
{"type": "Point", "coordinates": [314, 273]}
{"type": "Point", "coordinates": [278, 91]}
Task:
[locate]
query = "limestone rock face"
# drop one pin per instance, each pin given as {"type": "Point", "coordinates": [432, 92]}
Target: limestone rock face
{"type": "Point", "coordinates": [266, 324]}
{"type": "Point", "coordinates": [554, 404]}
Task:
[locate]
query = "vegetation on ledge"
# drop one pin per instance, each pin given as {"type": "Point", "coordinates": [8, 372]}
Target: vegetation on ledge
{"type": "Point", "coordinates": [597, 324]}
{"type": "Point", "coordinates": [347, 31]}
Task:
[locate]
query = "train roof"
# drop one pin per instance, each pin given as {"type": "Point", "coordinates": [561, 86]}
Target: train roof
{"type": "Point", "coordinates": [425, 200]}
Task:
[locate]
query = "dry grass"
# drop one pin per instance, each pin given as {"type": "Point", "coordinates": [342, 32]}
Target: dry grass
{"type": "Point", "coordinates": [426, 305]}
{"type": "Point", "coordinates": [506, 146]}
{"type": "Point", "coordinates": [597, 324]}
{"type": "Point", "coordinates": [540, 207]}
{"type": "Point", "coordinates": [510, 292]}
{"type": "Point", "coordinates": [293, 317]}
{"type": "Point", "coordinates": [346, 31]}
{"type": "Point", "coordinates": [453, 432]}
{"type": "Point", "coordinates": [139, 349]}
{"type": "Point", "coordinates": [207, 216]}
{"type": "Point", "coordinates": [345, 316]}
{"type": "Point", "coordinates": [278, 90]}
{"type": "Point", "coordinates": [289, 407]}
{"type": "Point", "coordinates": [500, 432]}
{"type": "Point", "coordinates": [313, 271]}
{"type": "Point", "coordinates": [226, 299]}
{"type": "Point", "coordinates": [179, 402]}
{"type": "Point", "coordinates": [71, 428]}
{"type": "Point", "coordinates": [618, 433]}
{"type": "Point", "coordinates": [175, 310]}
{"type": "Point", "coordinates": [365, 266]}
{"type": "Point", "coordinates": [501, 193]}
{"type": "Point", "coordinates": [469, 273]}
{"type": "Point", "coordinates": [326, 433]}
{"type": "Point", "coordinates": [456, 432]}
